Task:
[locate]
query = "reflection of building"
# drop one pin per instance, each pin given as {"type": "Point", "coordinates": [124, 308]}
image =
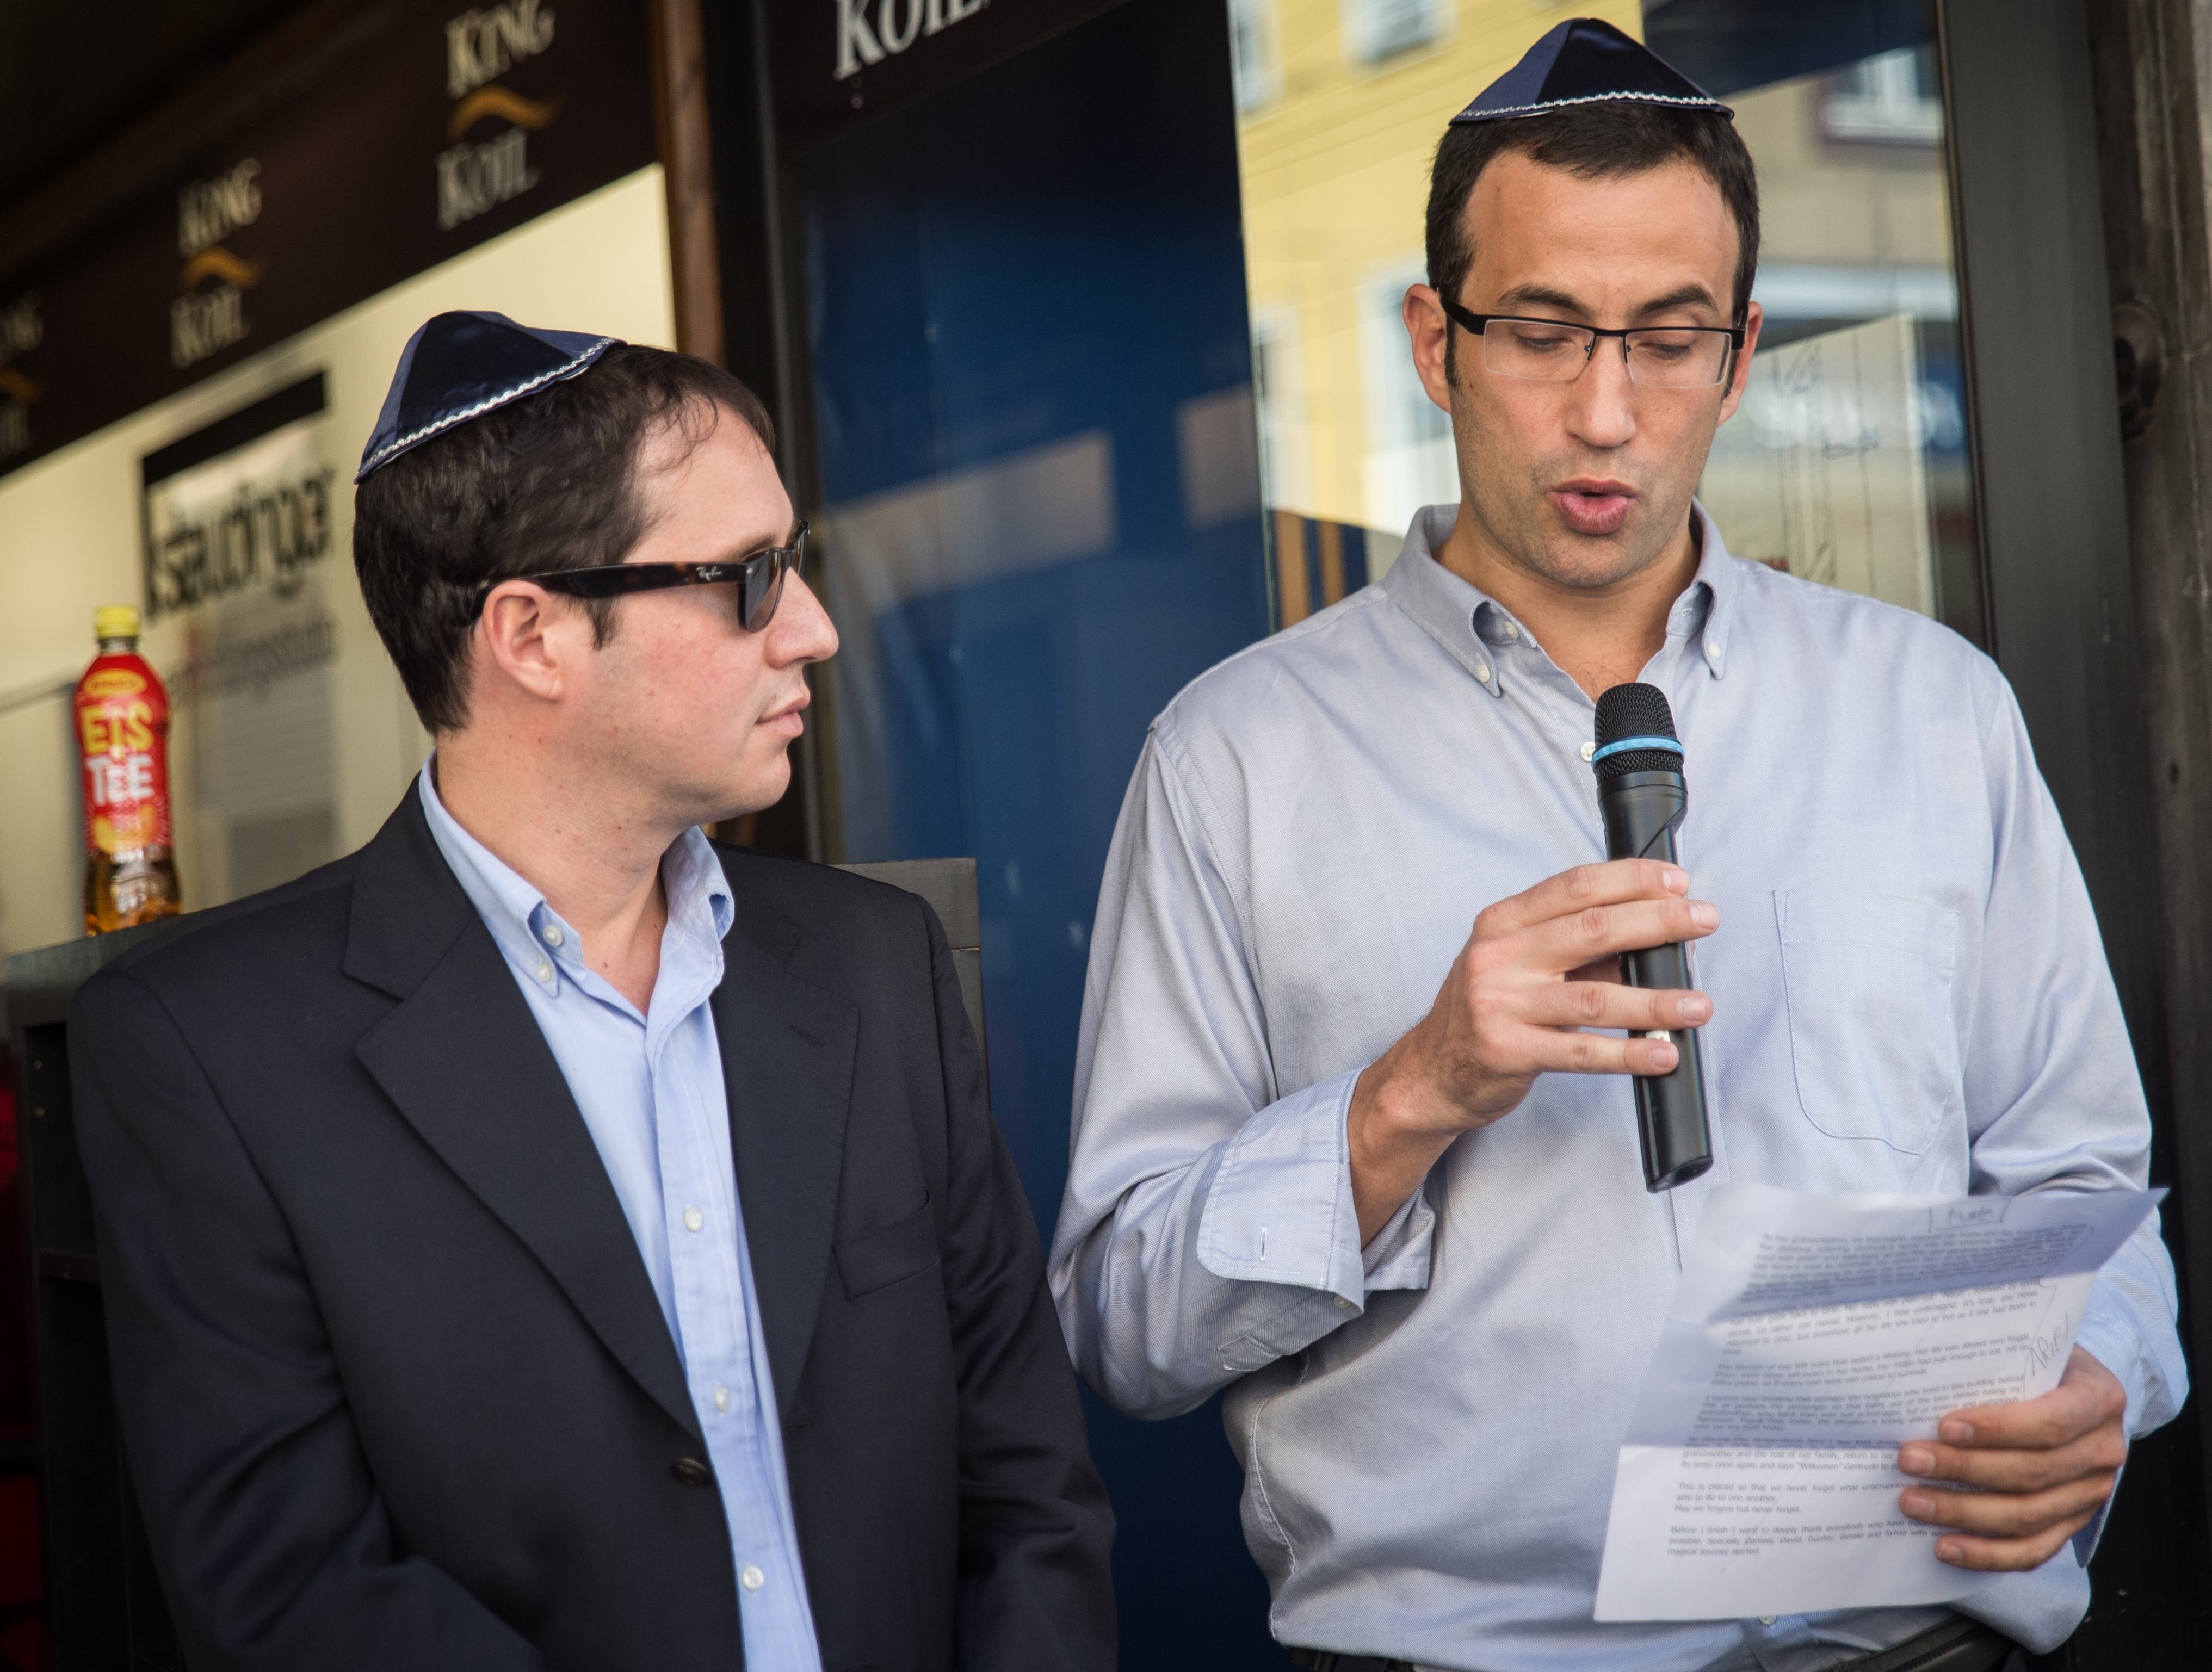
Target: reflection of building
{"type": "Point", "coordinates": [1856, 225]}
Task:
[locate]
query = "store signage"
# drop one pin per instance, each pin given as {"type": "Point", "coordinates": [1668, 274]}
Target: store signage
{"type": "Point", "coordinates": [897, 25]}
{"type": "Point", "coordinates": [839, 62]}
{"type": "Point", "coordinates": [238, 548]}
{"type": "Point", "coordinates": [481, 46]}
{"type": "Point", "coordinates": [241, 506]}
{"type": "Point", "coordinates": [259, 522]}
{"type": "Point", "coordinates": [475, 177]}
{"type": "Point", "coordinates": [450, 126]}
{"type": "Point", "coordinates": [209, 312]}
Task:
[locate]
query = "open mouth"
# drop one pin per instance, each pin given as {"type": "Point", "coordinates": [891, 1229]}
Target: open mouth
{"type": "Point", "coordinates": [1590, 507]}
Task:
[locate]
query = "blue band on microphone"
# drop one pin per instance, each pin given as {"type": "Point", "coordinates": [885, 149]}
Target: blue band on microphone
{"type": "Point", "coordinates": [1671, 744]}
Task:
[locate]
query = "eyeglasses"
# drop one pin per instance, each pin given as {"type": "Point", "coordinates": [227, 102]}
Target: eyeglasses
{"type": "Point", "coordinates": [1552, 351]}
{"type": "Point", "coordinates": [758, 578]}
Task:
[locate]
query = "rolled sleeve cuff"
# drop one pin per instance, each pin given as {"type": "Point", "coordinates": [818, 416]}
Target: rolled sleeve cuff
{"type": "Point", "coordinates": [1280, 1208]}
{"type": "Point", "coordinates": [2112, 1334]}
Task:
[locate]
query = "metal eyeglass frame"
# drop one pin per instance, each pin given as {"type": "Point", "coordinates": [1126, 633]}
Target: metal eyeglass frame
{"type": "Point", "coordinates": [759, 577]}
{"type": "Point", "coordinates": [1477, 322]}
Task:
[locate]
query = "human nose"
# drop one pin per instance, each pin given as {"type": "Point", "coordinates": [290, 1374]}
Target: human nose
{"type": "Point", "coordinates": [1601, 409]}
{"type": "Point", "coordinates": [802, 630]}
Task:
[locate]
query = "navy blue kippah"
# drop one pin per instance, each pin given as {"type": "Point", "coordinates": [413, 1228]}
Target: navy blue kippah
{"type": "Point", "coordinates": [461, 366]}
{"type": "Point", "coordinates": [1586, 61]}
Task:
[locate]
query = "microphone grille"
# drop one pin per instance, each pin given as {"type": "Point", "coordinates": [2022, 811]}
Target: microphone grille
{"type": "Point", "coordinates": [1635, 711]}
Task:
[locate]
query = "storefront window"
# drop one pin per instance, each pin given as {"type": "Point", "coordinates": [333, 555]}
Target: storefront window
{"type": "Point", "coordinates": [1847, 463]}
{"type": "Point", "coordinates": [1041, 515]}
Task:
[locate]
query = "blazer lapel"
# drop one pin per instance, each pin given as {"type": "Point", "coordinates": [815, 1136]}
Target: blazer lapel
{"type": "Point", "coordinates": [787, 1055]}
{"type": "Point", "coordinates": [463, 1058]}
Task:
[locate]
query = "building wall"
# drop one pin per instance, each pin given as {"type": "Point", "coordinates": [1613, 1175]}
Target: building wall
{"type": "Point", "coordinates": [70, 541]}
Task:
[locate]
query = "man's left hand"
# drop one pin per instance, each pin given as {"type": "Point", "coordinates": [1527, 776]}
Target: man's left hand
{"type": "Point", "coordinates": [2036, 1470]}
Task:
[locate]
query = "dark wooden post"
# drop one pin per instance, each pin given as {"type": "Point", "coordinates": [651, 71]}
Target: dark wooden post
{"type": "Point", "coordinates": [2149, 81]}
{"type": "Point", "coordinates": [686, 163]}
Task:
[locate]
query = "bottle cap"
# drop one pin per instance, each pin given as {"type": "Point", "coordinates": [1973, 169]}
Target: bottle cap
{"type": "Point", "coordinates": [115, 621]}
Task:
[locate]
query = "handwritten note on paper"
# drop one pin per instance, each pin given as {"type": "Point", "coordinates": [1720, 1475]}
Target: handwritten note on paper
{"type": "Point", "coordinates": [1810, 1336]}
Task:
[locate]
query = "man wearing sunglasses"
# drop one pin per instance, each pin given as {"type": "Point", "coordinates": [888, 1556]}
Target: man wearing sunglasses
{"type": "Point", "coordinates": [1375, 1178]}
{"type": "Point", "coordinates": [546, 1238]}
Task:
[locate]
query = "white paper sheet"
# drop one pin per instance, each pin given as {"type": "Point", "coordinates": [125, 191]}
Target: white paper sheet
{"type": "Point", "coordinates": [1810, 1336]}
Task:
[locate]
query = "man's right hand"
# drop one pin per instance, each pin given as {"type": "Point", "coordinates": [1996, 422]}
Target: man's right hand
{"type": "Point", "coordinates": [1538, 969]}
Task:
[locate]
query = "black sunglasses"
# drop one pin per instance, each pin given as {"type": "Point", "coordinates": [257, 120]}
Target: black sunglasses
{"type": "Point", "coordinates": [758, 578]}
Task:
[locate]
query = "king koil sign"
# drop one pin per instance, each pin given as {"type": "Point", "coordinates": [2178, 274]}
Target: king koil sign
{"type": "Point", "coordinates": [837, 63]}
{"type": "Point", "coordinates": [870, 31]}
{"type": "Point", "coordinates": [481, 44]}
{"type": "Point", "coordinates": [449, 123]}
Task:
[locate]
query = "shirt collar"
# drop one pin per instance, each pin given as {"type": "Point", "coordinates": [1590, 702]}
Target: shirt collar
{"type": "Point", "coordinates": [533, 936]}
{"type": "Point", "coordinates": [1468, 622]}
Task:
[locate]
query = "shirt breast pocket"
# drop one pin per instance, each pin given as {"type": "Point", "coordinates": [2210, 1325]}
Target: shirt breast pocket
{"type": "Point", "coordinates": [1867, 978]}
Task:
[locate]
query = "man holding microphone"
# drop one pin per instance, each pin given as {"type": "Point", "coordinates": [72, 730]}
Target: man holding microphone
{"type": "Point", "coordinates": [1374, 1175]}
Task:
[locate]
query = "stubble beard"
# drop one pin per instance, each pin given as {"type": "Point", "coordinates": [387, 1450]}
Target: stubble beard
{"type": "Point", "coordinates": [1518, 521]}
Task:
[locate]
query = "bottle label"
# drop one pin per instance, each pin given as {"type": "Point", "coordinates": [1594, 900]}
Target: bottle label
{"type": "Point", "coordinates": [122, 726]}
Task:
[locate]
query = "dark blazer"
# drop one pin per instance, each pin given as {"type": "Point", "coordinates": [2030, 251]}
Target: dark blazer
{"type": "Point", "coordinates": [395, 1387]}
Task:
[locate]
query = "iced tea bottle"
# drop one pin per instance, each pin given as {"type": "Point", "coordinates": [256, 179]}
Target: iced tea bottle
{"type": "Point", "coordinates": [123, 732]}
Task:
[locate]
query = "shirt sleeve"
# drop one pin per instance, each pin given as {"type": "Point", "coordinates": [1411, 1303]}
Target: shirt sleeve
{"type": "Point", "coordinates": [1208, 1228]}
{"type": "Point", "coordinates": [2054, 1099]}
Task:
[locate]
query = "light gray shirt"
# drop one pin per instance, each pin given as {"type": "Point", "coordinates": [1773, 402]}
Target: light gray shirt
{"type": "Point", "coordinates": [1910, 996]}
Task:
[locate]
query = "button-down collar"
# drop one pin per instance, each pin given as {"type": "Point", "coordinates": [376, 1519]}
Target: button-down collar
{"type": "Point", "coordinates": [545, 947]}
{"type": "Point", "coordinates": [1480, 634]}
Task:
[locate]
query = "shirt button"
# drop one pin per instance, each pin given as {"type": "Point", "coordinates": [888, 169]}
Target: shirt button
{"type": "Point", "coordinates": [552, 935]}
{"type": "Point", "coordinates": [544, 971]}
{"type": "Point", "coordinates": [1589, 749]}
{"type": "Point", "coordinates": [1766, 1619]}
{"type": "Point", "coordinates": [1712, 652]}
{"type": "Point", "coordinates": [721, 1398]}
{"type": "Point", "coordinates": [1511, 630]}
{"type": "Point", "coordinates": [1342, 1304]}
{"type": "Point", "coordinates": [752, 1578]}
{"type": "Point", "coordinates": [693, 1219]}
{"type": "Point", "coordinates": [1482, 672]}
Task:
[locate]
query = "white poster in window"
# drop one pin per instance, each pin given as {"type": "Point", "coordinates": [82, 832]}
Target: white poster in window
{"type": "Point", "coordinates": [235, 550]}
{"type": "Point", "coordinates": [1821, 471]}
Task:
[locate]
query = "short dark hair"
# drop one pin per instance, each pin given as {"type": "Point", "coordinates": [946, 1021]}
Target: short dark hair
{"type": "Point", "coordinates": [1596, 141]}
{"type": "Point", "coordinates": [544, 484]}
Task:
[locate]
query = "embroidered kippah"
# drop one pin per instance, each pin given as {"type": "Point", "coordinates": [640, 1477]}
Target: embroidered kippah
{"type": "Point", "coordinates": [461, 366]}
{"type": "Point", "coordinates": [1586, 61]}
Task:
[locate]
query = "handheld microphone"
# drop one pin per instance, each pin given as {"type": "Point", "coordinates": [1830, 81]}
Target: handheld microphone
{"type": "Point", "coordinates": [1642, 797]}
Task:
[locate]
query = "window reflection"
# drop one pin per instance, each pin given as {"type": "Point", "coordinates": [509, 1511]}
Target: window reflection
{"type": "Point", "coordinates": [1377, 30]}
{"type": "Point", "coordinates": [1848, 463]}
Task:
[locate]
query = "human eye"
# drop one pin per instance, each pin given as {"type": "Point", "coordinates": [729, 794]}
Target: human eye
{"type": "Point", "coordinates": [1667, 348]}
{"type": "Point", "coordinates": [1542, 337]}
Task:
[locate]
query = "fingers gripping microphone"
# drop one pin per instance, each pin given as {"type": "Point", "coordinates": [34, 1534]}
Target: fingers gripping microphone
{"type": "Point", "coordinates": [1642, 797]}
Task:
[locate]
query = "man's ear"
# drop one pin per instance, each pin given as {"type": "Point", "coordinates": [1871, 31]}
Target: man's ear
{"type": "Point", "coordinates": [1753, 317]}
{"type": "Point", "coordinates": [525, 639]}
{"type": "Point", "coordinates": [1422, 311]}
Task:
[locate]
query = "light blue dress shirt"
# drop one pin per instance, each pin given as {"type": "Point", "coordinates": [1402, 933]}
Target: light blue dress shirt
{"type": "Point", "coordinates": [650, 1089]}
{"type": "Point", "coordinates": [1910, 996]}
